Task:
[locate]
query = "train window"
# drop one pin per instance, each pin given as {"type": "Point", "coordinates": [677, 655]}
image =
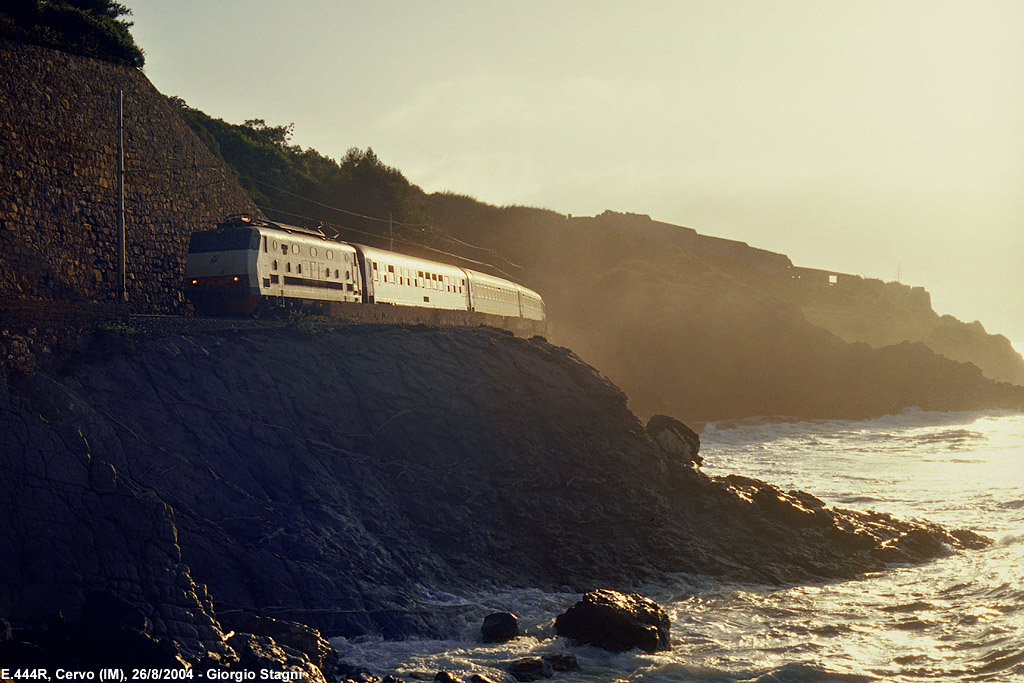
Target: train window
{"type": "Point", "coordinates": [330, 255]}
{"type": "Point", "coordinates": [349, 286]}
{"type": "Point", "coordinates": [274, 265]}
{"type": "Point", "coordinates": [284, 249]}
{"type": "Point", "coordinates": [337, 274]}
{"type": "Point", "coordinates": [419, 273]}
{"type": "Point", "coordinates": [348, 275]}
{"type": "Point", "coordinates": [265, 245]}
{"type": "Point", "coordinates": [273, 245]}
{"type": "Point", "coordinates": [266, 282]}
{"type": "Point", "coordinates": [298, 268]}
{"type": "Point", "coordinates": [296, 249]}
{"type": "Point", "coordinates": [273, 278]}
{"type": "Point", "coordinates": [312, 251]}
{"type": "Point", "coordinates": [288, 267]}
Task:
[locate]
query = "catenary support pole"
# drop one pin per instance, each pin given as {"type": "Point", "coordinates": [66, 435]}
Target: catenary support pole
{"type": "Point", "coordinates": [122, 286]}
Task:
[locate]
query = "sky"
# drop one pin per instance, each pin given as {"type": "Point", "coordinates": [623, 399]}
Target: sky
{"type": "Point", "coordinates": [878, 138]}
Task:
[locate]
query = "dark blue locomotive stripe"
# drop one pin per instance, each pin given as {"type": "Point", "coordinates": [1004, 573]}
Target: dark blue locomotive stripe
{"type": "Point", "coordinates": [322, 284]}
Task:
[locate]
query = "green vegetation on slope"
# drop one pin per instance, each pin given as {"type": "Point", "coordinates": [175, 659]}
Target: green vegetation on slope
{"type": "Point", "coordinates": [93, 28]}
{"type": "Point", "coordinates": [302, 183]}
{"type": "Point", "coordinates": [359, 196]}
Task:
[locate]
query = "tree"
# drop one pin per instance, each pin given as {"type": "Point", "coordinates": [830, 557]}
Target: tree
{"type": "Point", "coordinates": [92, 28]}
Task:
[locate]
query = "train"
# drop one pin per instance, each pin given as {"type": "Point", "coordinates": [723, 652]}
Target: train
{"type": "Point", "coordinates": [247, 266]}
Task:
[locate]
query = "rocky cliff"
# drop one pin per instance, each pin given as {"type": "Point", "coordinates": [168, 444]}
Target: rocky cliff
{"type": "Point", "coordinates": [330, 475]}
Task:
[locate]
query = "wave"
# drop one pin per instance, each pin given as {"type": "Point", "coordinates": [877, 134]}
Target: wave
{"type": "Point", "coordinates": [884, 428]}
{"type": "Point", "coordinates": [811, 673]}
{"type": "Point", "coordinates": [1001, 662]}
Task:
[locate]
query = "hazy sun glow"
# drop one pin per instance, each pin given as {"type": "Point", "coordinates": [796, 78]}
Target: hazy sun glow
{"type": "Point", "coordinates": [877, 138]}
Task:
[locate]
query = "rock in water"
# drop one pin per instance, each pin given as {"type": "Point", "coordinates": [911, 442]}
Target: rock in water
{"type": "Point", "coordinates": [530, 669]}
{"type": "Point", "coordinates": [561, 661]}
{"type": "Point", "coordinates": [499, 627]}
{"type": "Point", "coordinates": [616, 621]}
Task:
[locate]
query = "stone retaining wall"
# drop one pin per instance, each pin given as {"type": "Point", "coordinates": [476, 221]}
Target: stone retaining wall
{"type": "Point", "coordinates": [58, 182]}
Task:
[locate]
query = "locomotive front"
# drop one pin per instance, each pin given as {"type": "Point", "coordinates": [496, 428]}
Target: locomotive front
{"type": "Point", "coordinates": [220, 273]}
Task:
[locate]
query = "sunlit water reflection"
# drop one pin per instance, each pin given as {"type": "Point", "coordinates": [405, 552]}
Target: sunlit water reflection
{"type": "Point", "coordinates": [958, 618]}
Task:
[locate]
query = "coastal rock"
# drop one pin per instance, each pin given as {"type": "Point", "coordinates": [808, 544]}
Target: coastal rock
{"type": "Point", "coordinates": [104, 612]}
{"type": "Point", "coordinates": [480, 678]}
{"type": "Point", "coordinates": [677, 441]}
{"type": "Point", "coordinates": [300, 637]}
{"type": "Point", "coordinates": [109, 635]}
{"type": "Point", "coordinates": [262, 653]}
{"type": "Point", "coordinates": [616, 621]}
{"type": "Point", "coordinates": [499, 627]}
{"type": "Point", "coordinates": [530, 669]}
{"type": "Point", "coordinates": [447, 677]}
{"type": "Point", "coordinates": [561, 661]}
{"type": "Point", "coordinates": [284, 473]}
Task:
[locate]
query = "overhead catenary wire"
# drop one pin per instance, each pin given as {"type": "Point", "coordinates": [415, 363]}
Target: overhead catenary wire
{"type": "Point", "coordinates": [339, 228]}
{"type": "Point", "coordinates": [375, 218]}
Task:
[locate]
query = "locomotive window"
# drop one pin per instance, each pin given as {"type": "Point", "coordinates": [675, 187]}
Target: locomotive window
{"type": "Point", "coordinates": [264, 244]}
{"type": "Point", "coordinates": [223, 240]}
{"type": "Point", "coordinates": [298, 268]}
{"type": "Point", "coordinates": [273, 245]}
{"type": "Point", "coordinates": [274, 265]}
{"type": "Point", "coordinates": [330, 255]}
{"type": "Point", "coordinates": [391, 269]}
{"type": "Point", "coordinates": [288, 267]}
{"type": "Point", "coordinates": [273, 278]}
{"type": "Point", "coordinates": [284, 249]}
{"type": "Point", "coordinates": [312, 251]}
{"type": "Point", "coordinates": [336, 274]}
{"type": "Point", "coordinates": [296, 249]}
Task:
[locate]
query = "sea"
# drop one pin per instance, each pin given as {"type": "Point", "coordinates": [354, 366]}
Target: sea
{"type": "Point", "coordinates": [956, 618]}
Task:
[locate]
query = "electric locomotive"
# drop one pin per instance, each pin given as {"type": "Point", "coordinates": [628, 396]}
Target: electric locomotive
{"type": "Point", "coordinates": [244, 267]}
